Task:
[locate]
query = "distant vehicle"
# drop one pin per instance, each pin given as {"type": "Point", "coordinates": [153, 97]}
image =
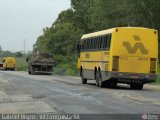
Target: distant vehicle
{"type": "Point", "coordinates": [9, 63]}
{"type": "Point", "coordinates": [119, 55]}
{"type": "Point", "coordinates": [39, 63]}
{"type": "Point", "coordinates": [1, 66]}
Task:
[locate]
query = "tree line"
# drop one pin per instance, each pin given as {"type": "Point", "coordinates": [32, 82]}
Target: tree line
{"type": "Point", "coordinates": [87, 16]}
{"type": "Point", "coordinates": [6, 53]}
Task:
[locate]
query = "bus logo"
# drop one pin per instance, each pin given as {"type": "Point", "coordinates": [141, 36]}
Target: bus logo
{"type": "Point", "coordinates": [138, 45]}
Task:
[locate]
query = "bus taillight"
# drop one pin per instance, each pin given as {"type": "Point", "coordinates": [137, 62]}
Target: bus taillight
{"type": "Point", "coordinates": [115, 63]}
{"type": "Point", "coordinates": [153, 62]}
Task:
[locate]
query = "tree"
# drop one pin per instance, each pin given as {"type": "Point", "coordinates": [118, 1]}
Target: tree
{"type": "Point", "coordinates": [87, 16]}
{"type": "Point", "coordinates": [0, 48]}
{"type": "Point", "coordinates": [19, 54]}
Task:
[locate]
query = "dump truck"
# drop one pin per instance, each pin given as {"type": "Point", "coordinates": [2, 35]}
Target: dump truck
{"type": "Point", "coordinates": [40, 63]}
{"type": "Point", "coordinates": [9, 63]}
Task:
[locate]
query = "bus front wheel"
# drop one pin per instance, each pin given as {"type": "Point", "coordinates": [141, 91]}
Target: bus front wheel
{"type": "Point", "coordinates": [136, 86]}
{"type": "Point", "coordinates": [97, 80]}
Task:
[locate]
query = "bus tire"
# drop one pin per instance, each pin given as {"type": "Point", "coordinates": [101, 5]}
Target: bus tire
{"type": "Point", "coordinates": [84, 80]}
{"type": "Point", "coordinates": [99, 82]}
{"type": "Point", "coordinates": [97, 79]}
{"type": "Point", "coordinates": [136, 86]}
{"type": "Point", "coordinates": [113, 83]}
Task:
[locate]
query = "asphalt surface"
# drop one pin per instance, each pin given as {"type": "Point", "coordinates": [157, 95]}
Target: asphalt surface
{"type": "Point", "coordinates": [23, 93]}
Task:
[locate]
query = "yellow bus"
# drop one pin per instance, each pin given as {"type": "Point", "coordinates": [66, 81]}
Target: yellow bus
{"type": "Point", "coordinates": [119, 55]}
{"type": "Point", "coordinates": [9, 63]}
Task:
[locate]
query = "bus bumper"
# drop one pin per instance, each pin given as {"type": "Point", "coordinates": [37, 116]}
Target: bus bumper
{"type": "Point", "coordinates": [132, 77]}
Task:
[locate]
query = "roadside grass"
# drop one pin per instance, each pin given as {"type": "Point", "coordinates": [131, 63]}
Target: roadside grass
{"type": "Point", "coordinates": [21, 64]}
{"type": "Point", "coordinates": [64, 65]}
{"type": "Point", "coordinates": [158, 78]}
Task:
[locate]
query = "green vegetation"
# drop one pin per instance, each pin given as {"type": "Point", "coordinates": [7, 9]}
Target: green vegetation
{"type": "Point", "coordinates": [21, 64]}
{"type": "Point", "coordinates": [87, 16]}
{"type": "Point", "coordinates": [64, 65]}
{"type": "Point", "coordinates": [158, 79]}
{"type": "Point", "coordinates": [9, 53]}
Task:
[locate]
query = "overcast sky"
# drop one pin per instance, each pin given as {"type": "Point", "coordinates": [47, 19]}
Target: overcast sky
{"type": "Point", "coordinates": [24, 20]}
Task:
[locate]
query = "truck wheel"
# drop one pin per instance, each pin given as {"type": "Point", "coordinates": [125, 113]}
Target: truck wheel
{"type": "Point", "coordinates": [29, 71]}
{"type": "Point", "coordinates": [136, 86]}
{"type": "Point", "coordinates": [50, 73]}
{"type": "Point", "coordinates": [32, 71]}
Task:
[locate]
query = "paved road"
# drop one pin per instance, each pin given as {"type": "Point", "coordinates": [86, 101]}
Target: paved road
{"type": "Point", "coordinates": [23, 93]}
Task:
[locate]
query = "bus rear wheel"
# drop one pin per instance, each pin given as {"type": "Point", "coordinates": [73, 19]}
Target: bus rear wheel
{"type": "Point", "coordinates": [84, 80]}
{"type": "Point", "coordinates": [136, 86]}
{"type": "Point", "coordinates": [99, 82]}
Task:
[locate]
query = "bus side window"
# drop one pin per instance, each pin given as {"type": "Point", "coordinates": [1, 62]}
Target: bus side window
{"type": "Point", "coordinates": [92, 44]}
{"type": "Point", "coordinates": [96, 42]}
{"type": "Point", "coordinates": [87, 44]}
{"type": "Point", "coordinates": [84, 45]}
{"type": "Point", "coordinates": [100, 42]}
{"type": "Point", "coordinates": [104, 42]}
{"type": "Point", "coordinates": [109, 40]}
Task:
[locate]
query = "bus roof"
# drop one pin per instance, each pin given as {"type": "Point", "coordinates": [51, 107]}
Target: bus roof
{"type": "Point", "coordinates": [109, 31]}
